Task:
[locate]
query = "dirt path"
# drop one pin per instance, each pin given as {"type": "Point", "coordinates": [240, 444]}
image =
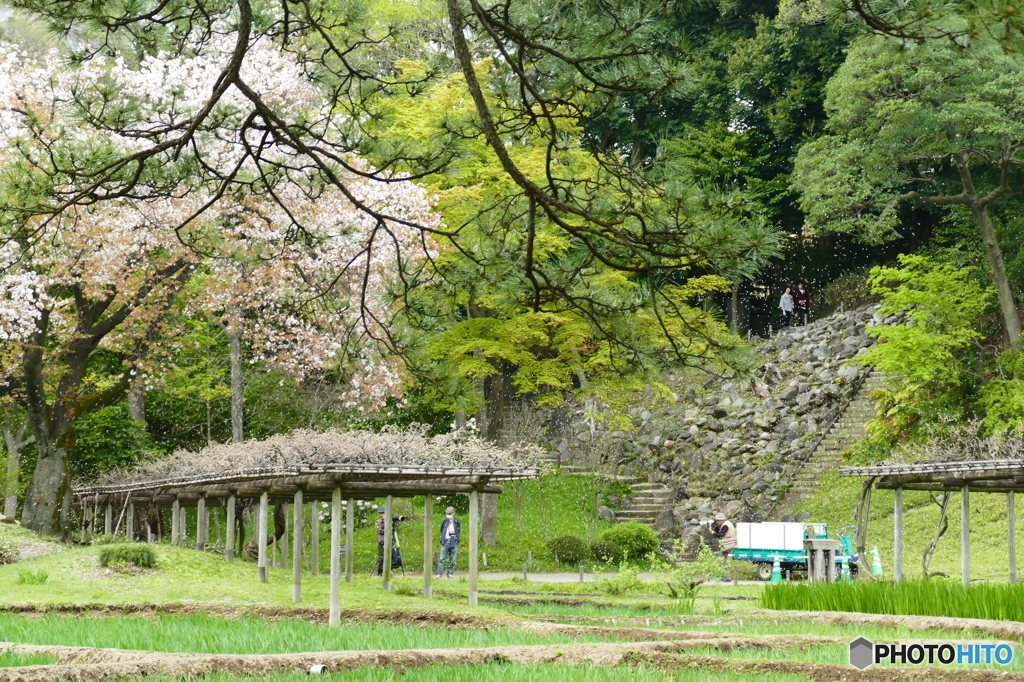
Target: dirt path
{"type": "Point", "coordinates": [83, 663]}
{"type": "Point", "coordinates": [820, 672]}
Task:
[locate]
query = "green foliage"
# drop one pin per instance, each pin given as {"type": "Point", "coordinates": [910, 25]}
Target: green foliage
{"type": "Point", "coordinates": [686, 578]}
{"type": "Point", "coordinates": [850, 290]}
{"type": "Point", "coordinates": [30, 577]}
{"type": "Point", "coordinates": [625, 581]}
{"type": "Point", "coordinates": [1002, 397]}
{"type": "Point", "coordinates": [925, 356]}
{"type": "Point", "coordinates": [896, 111]}
{"type": "Point", "coordinates": [569, 549]}
{"type": "Point", "coordinates": [995, 601]}
{"type": "Point", "coordinates": [134, 554]}
{"type": "Point", "coordinates": [606, 552]}
{"type": "Point", "coordinates": [941, 304]}
{"type": "Point", "coordinates": [9, 552]}
{"type": "Point", "coordinates": [110, 438]}
{"type": "Point", "coordinates": [617, 489]}
{"type": "Point", "coordinates": [637, 540]}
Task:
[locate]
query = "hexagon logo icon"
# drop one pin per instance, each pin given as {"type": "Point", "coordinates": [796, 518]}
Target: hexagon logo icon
{"type": "Point", "coordinates": [862, 653]}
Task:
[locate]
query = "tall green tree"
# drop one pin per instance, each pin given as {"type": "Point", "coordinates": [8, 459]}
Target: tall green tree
{"type": "Point", "coordinates": [933, 124]}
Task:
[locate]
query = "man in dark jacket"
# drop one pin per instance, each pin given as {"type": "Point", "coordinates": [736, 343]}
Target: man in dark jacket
{"type": "Point", "coordinates": [451, 534]}
{"type": "Point", "coordinates": [395, 520]}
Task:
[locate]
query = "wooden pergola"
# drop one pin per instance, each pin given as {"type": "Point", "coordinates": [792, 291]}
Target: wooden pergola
{"type": "Point", "coordinates": [978, 476]}
{"type": "Point", "coordinates": [299, 484]}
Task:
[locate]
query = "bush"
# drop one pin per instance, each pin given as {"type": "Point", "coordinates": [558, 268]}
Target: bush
{"type": "Point", "coordinates": [30, 577]}
{"type": "Point", "coordinates": [569, 549]}
{"type": "Point", "coordinates": [9, 552]}
{"type": "Point", "coordinates": [636, 540]}
{"type": "Point", "coordinates": [850, 290]}
{"type": "Point", "coordinates": [142, 556]}
{"type": "Point", "coordinates": [606, 552]}
{"type": "Point", "coordinates": [627, 580]}
{"type": "Point", "coordinates": [685, 581]}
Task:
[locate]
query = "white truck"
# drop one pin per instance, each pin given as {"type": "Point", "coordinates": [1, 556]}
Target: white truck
{"type": "Point", "coordinates": [765, 543]}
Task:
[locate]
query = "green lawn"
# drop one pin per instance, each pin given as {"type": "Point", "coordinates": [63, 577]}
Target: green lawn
{"type": "Point", "coordinates": [529, 514]}
{"type": "Point", "coordinates": [836, 504]}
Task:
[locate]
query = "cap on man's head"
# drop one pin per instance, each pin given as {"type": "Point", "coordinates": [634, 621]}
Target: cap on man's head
{"type": "Point", "coordinates": [719, 516]}
{"type": "Point", "coordinates": [381, 510]}
{"type": "Point", "coordinates": [449, 510]}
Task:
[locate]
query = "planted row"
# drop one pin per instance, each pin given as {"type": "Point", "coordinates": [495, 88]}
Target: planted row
{"type": "Point", "coordinates": [995, 601]}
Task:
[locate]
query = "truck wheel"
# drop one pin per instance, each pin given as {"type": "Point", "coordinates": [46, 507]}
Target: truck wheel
{"type": "Point", "coordinates": [764, 571]}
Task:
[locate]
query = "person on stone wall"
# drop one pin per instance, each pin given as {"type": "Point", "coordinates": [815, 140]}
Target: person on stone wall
{"type": "Point", "coordinates": [451, 534]}
{"type": "Point", "coordinates": [802, 304]}
{"type": "Point", "coordinates": [725, 531]}
{"type": "Point", "coordinates": [786, 306]}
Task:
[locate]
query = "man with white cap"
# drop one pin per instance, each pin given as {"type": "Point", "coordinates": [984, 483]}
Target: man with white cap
{"type": "Point", "coordinates": [725, 531]}
{"type": "Point", "coordinates": [451, 534]}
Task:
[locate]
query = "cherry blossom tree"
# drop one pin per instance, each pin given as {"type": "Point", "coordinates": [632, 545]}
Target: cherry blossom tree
{"type": "Point", "coordinates": [281, 253]}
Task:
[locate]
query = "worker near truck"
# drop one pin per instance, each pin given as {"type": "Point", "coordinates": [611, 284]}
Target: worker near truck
{"type": "Point", "coordinates": [725, 531]}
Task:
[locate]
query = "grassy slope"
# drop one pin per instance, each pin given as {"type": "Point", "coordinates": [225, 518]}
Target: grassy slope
{"type": "Point", "coordinates": [837, 505]}
{"type": "Point", "coordinates": [552, 506]}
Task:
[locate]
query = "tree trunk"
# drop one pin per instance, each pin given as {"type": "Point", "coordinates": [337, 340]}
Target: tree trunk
{"type": "Point", "coordinates": [44, 510]}
{"type": "Point", "coordinates": [14, 438]}
{"type": "Point", "coordinates": [489, 519]}
{"type": "Point", "coordinates": [1007, 306]}
{"type": "Point", "coordinates": [11, 484]}
{"type": "Point", "coordinates": [234, 333]}
{"type": "Point", "coordinates": [137, 400]}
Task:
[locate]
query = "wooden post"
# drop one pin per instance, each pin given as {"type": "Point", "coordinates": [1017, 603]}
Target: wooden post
{"type": "Point", "coordinates": [1011, 522]}
{"type": "Point", "coordinates": [350, 524]}
{"type": "Point", "coordinates": [474, 533]}
{"type": "Point", "coordinates": [284, 537]}
{"type": "Point", "coordinates": [897, 549]}
{"type": "Point", "coordinates": [108, 518]}
{"type": "Point", "coordinates": [261, 537]}
{"type": "Point", "coordinates": [183, 520]}
{"type": "Point", "coordinates": [229, 539]}
{"type": "Point", "coordinates": [335, 614]}
{"type": "Point", "coordinates": [388, 541]}
{"type": "Point", "coordinates": [297, 550]}
{"type": "Point", "coordinates": [965, 535]}
{"type": "Point", "coordinates": [175, 521]}
{"type": "Point", "coordinates": [130, 522]}
{"type": "Point", "coordinates": [201, 521]}
{"type": "Point", "coordinates": [149, 524]}
{"type": "Point", "coordinates": [428, 545]}
{"type": "Point", "coordinates": [314, 541]}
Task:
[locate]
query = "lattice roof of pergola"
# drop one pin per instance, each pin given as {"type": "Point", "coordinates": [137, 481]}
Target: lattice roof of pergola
{"type": "Point", "coordinates": [980, 475]}
{"type": "Point", "coordinates": [363, 464]}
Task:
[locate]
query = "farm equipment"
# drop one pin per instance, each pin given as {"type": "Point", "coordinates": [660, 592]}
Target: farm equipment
{"type": "Point", "coordinates": [789, 544]}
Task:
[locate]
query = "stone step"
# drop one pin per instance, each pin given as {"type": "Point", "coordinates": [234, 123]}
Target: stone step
{"type": "Point", "coordinates": [635, 515]}
{"type": "Point", "coordinates": [647, 508]}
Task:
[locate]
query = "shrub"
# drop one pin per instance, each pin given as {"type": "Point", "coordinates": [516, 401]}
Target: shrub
{"type": "Point", "coordinates": [139, 555]}
{"type": "Point", "coordinates": [9, 552]}
{"type": "Point", "coordinates": [685, 581]}
{"type": "Point", "coordinates": [627, 580]}
{"type": "Point", "coordinates": [848, 291]}
{"type": "Point", "coordinates": [105, 539]}
{"type": "Point", "coordinates": [606, 552]}
{"type": "Point", "coordinates": [636, 540]}
{"type": "Point", "coordinates": [30, 577]}
{"type": "Point", "coordinates": [568, 549]}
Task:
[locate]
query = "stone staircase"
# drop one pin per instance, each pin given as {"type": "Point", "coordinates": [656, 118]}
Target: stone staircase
{"type": "Point", "coordinates": [843, 433]}
{"type": "Point", "coordinates": [649, 501]}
